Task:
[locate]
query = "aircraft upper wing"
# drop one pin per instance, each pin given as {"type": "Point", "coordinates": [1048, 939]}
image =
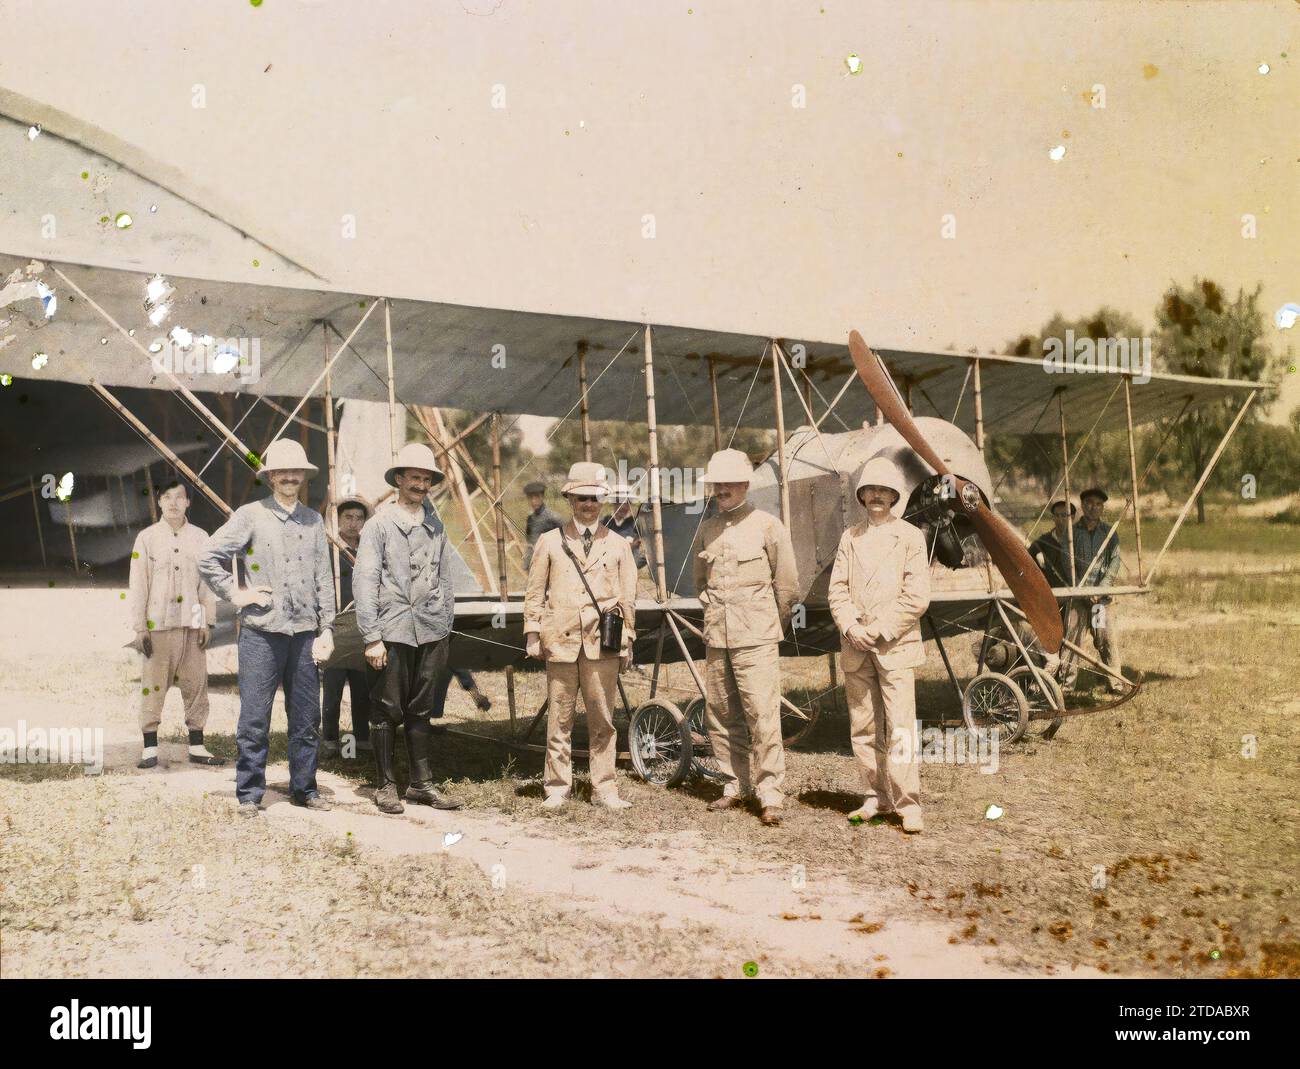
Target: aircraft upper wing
{"type": "Point", "coordinates": [491, 359]}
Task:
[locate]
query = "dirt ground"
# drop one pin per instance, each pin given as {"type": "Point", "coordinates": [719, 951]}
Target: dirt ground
{"type": "Point", "coordinates": [1157, 839]}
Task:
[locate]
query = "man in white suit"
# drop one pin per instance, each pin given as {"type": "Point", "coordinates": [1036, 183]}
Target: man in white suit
{"type": "Point", "coordinates": [579, 571]}
{"type": "Point", "coordinates": [879, 589]}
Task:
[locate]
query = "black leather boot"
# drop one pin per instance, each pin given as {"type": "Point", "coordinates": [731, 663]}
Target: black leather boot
{"type": "Point", "coordinates": [419, 736]}
{"type": "Point", "coordinates": [381, 738]}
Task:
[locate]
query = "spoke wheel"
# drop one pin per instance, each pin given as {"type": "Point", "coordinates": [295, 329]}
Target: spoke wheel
{"type": "Point", "coordinates": [660, 742]}
{"type": "Point", "coordinates": [796, 726]}
{"type": "Point", "coordinates": [703, 763]}
{"type": "Point", "coordinates": [993, 700]}
{"type": "Point", "coordinates": [1053, 701]}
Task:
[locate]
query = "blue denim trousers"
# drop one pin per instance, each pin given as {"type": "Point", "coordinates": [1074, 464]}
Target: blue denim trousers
{"type": "Point", "coordinates": [267, 661]}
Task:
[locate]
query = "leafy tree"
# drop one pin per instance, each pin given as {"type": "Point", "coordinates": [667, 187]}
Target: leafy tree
{"type": "Point", "coordinates": [1199, 331]}
{"type": "Point", "coordinates": [1104, 457]}
{"type": "Point", "coordinates": [1268, 451]}
{"type": "Point", "coordinates": [479, 444]}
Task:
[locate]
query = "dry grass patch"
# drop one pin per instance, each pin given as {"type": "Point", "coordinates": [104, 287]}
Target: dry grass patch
{"type": "Point", "coordinates": [108, 878]}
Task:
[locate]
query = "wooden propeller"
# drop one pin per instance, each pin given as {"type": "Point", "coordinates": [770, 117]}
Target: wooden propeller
{"type": "Point", "coordinates": [1006, 548]}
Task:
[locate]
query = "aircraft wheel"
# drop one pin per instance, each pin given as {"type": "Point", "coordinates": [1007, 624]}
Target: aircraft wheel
{"type": "Point", "coordinates": [992, 700]}
{"type": "Point", "coordinates": [796, 724]}
{"type": "Point", "coordinates": [660, 743]}
{"type": "Point", "coordinates": [703, 763]}
{"type": "Point", "coordinates": [1040, 702]}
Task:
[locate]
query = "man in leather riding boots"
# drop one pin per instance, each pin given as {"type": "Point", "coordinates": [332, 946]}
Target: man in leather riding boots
{"type": "Point", "coordinates": [405, 606]}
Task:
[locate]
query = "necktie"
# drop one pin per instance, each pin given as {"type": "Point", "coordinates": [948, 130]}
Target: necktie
{"type": "Point", "coordinates": [586, 541]}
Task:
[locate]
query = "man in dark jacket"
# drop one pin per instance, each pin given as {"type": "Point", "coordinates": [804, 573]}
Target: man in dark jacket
{"type": "Point", "coordinates": [1098, 552]}
{"type": "Point", "coordinates": [352, 512]}
{"type": "Point", "coordinates": [1052, 550]}
{"type": "Point", "coordinates": [540, 518]}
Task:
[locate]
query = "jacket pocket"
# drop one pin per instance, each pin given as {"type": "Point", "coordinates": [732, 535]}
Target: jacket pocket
{"type": "Point", "coordinates": [752, 567]}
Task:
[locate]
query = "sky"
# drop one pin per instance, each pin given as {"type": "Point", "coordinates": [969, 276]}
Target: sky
{"type": "Point", "coordinates": [788, 168]}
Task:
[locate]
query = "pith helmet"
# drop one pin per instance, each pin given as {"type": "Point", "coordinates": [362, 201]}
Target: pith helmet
{"type": "Point", "coordinates": [586, 477]}
{"type": "Point", "coordinates": [284, 454]}
{"type": "Point", "coordinates": [728, 466]}
{"type": "Point", "coordinates": [414, 455]}
{"type": "Point", "coordinates": [881, 471]}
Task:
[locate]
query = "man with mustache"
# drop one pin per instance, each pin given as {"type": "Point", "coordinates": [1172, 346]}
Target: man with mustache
{"type": "Point", "coordinates": [879, 589]}
{"type": "Point", "coordinates": [286, 622]}
{"type": "Point", "coordinates": [405, 608]}
{"type": "Point", "coordinates": [747, 580]}
{"type": "Point", "coordinates": [572, 565]}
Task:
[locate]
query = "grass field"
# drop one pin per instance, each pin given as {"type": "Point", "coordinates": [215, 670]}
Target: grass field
{"type": "Point", "coordinates": [205, 894]}
{"type": "Point", "coordinates": [1136, 840]}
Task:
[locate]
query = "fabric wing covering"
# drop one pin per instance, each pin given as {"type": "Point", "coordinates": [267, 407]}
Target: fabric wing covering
{"type": "Point", "coordinates": [487, 359]}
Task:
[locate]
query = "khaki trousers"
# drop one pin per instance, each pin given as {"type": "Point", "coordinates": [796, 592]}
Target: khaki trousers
{"type": "Point", "coordinates": [744, 716]}
{"type": "Point", "coordinates": [596, 680]}
{"type": "Point", "coordinates": [178, 659]}
{"type": "Point", "coordinates": [882, 729]}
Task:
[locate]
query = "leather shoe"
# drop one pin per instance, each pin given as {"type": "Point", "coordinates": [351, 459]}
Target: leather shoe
{"type": "Point", "coordinates": [387, 801]}
{"type": "Point", "coordinates": [425, 794]}
{"type": "Point", "coordinates": [770, 817]}
{"type": "Point", "coordinates": [718, 805]}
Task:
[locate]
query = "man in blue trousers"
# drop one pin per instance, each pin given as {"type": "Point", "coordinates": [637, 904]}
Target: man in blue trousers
{"type": "Point", "coordinates": [286, 609]}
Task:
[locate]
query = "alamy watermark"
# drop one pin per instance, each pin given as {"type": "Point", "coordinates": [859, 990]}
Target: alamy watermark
{"type": "Point", "coordinates": [1082, 356]}
{"type": "Point", "coordinates": [53, 746]}
{"type": "Point", "coordinates": [183, 353]}
{"type": "Point", "coordinates": [76, 1021]}
{"type": "Point", "coordinates": [675, 484]}
{"type": "Point", "coordinates": [947, 746]}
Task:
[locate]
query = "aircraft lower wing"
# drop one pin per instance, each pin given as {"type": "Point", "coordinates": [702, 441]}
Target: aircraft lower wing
{"type": "Point", "coordinates": [489, 635]}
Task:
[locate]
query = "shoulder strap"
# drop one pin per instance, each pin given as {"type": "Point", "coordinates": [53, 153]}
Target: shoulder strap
{"type": "Point", "coordinates": [564, 545]}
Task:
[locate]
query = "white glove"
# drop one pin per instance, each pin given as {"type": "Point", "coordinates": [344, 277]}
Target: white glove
{"type": "Point", "coordinates": [322, 647]}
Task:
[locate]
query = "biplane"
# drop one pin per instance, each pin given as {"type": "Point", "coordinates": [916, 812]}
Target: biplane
{"type": "Point", "coordinates": [985, 584]}
{"type": "Point", "coordinates": [931, 411]}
